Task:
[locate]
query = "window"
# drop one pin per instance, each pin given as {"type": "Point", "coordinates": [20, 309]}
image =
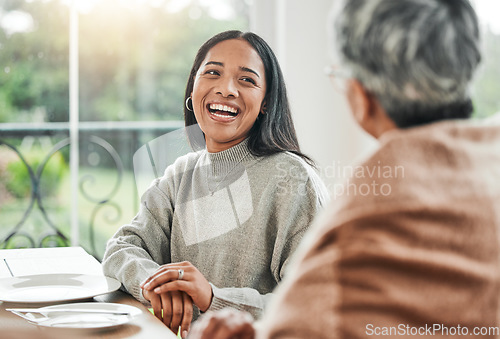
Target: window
{"type": "Point", "coordinates": [133, 60]}
{"type": "Point", "coordinates": [487, 86]}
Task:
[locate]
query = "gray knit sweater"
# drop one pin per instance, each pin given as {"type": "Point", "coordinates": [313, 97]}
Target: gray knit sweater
{"type": "Point", "coordinates": [236, 217]}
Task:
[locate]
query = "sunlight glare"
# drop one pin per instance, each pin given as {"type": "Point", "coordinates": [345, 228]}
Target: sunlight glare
{"type": "Point", "coordinates": [85, 6]}
{"type": "Point", "coordinates": [219, 9]}
{"type": "Point", "coordinates": [175, 6]}
{"type": "Point", "coordinates": [157, 3]}
{"type": "Point", "coordinates": [195, 13]}
{"type": "Point", "coordinates": [487, 11]}
{"type": "Point", "coordinates": [17, 22]}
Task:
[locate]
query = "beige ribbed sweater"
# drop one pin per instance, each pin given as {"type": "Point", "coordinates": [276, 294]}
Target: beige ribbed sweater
{"type": "Point", "coordinates": [234, 216]}
{"type": "Point", "coordinates": [425, 255]}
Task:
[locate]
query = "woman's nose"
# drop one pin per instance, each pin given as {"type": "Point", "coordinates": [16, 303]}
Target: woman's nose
{"type": "Point", "coordinates": [227, 87]}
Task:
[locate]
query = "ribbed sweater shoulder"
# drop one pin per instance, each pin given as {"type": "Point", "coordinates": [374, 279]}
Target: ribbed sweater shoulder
{"type": "Point", "coordinates": [280, 166]}
{"type": "Point", "coordinates": [289, 166]}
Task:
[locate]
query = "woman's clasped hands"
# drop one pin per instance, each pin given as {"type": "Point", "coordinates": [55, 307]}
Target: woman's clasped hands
{"type": "Point", "coordinates": [173, 289]}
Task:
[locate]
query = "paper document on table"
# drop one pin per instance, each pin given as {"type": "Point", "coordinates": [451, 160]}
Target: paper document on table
{"type": "Point", "coordinates": [42, 252]}
{"type": "Point", "coordinates": [48, 261]}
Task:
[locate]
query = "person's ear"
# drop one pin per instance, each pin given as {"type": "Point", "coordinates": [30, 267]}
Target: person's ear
{"type": "Point", "coordinates": [360, 101]}
{"type": "Point", "coordinates": [263, 108]}
{"type": "Point", "coordinates": [367, 110]}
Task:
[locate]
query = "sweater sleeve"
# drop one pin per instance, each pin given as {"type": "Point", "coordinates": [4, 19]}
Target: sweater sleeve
{"type": "Point", "coordinates": [243, 299]}
{"type": "Point", "coordinates": [295, 204]}
{"type": "Point", "coordinates": [139, 248]}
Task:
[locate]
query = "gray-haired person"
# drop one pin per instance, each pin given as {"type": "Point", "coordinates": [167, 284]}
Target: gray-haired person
{"type": "Point", "coordinates": [422, 256]}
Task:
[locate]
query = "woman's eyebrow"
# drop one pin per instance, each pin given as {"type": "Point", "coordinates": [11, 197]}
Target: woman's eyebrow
{"type": "Point", "coordinates": [245, 69]}
{"type": "Point", "coordinates": [214, 63]}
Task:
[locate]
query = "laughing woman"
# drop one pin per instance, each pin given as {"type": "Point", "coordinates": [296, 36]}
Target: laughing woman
{"type": "Point", "coordinates": [218, 228]}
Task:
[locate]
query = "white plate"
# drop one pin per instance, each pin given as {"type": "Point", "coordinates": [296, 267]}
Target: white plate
{"type": "Point", "coordinates": [55, 287]}
{"type": "Point", "coordinates": [89, 320]}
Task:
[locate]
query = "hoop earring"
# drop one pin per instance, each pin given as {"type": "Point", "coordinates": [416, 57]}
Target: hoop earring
{"type": "Point", "coordinates": [187, 104]}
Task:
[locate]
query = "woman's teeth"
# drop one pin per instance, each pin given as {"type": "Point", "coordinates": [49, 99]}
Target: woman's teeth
{"type": "Point", "coordinates": [222, 115]}
{"type": "Point", "coordinates": [219, 107]}
{"type": "Point", "coordinates": [222, 111]}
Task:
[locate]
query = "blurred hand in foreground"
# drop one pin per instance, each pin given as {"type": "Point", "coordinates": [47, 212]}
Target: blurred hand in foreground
{"type": "Point", "coordinates": [224, 324]}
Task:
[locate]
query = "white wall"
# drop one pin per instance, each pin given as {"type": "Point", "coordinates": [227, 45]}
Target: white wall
{"type": "Point", "coordinates": [296, 30]}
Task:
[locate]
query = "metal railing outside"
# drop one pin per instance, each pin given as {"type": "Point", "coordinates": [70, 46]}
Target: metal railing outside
{"type": "Point", "coordinates": [116, 141]}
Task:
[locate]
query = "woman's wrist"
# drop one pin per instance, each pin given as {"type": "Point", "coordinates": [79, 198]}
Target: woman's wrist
{"type": "Point", "coordinates": [209, 302]}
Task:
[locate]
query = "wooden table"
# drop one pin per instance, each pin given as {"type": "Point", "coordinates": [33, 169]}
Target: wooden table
{"type": "Point", "coordinates": [14, 327]}
{"type": "Point", "coordinates": [144, 326]}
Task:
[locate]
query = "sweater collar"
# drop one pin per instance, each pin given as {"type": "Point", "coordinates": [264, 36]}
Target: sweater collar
{"type": "Point", "coordinates": [235, 153]}
{"type": "Point", "coordinates": [224, 161]}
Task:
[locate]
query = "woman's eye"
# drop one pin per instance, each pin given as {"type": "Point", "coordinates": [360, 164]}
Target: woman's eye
{"type": "Point", "coordinates": [250, 80]}
{"type": "Point", "coordinates": [212, 72]}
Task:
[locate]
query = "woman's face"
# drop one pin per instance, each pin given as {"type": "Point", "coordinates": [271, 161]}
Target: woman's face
{"type": "Point", "coordinates": [228, 93]}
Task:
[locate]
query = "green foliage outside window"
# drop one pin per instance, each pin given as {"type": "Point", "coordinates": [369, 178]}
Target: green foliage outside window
{"type": "Point", "coordinates": [133, 59]}
{"type": "Point", "coordinates": [34, 63]}
{"type": "Point", "coordinates": [17, 180]}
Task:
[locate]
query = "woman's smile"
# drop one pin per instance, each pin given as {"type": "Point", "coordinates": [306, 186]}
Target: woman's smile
{"type": "Point", "coordinates": [223, 112]}
{"type": "Point", "coordinates": [228, 93]}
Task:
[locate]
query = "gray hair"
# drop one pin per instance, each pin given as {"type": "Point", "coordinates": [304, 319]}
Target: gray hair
{"type": "Point", "coordinates": [416, 56]}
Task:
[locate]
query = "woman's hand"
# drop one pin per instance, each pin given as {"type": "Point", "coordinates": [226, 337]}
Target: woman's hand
{"type": "Point", "coordinates": [177, 309]}
{"type": "Point", "coordinates": [224, 324]}
{"type": "Point", "coordinates": [166, 279]}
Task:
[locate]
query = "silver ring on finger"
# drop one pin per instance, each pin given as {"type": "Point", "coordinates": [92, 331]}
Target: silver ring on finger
{"type": "Point", "coordinates": [181, 274]}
